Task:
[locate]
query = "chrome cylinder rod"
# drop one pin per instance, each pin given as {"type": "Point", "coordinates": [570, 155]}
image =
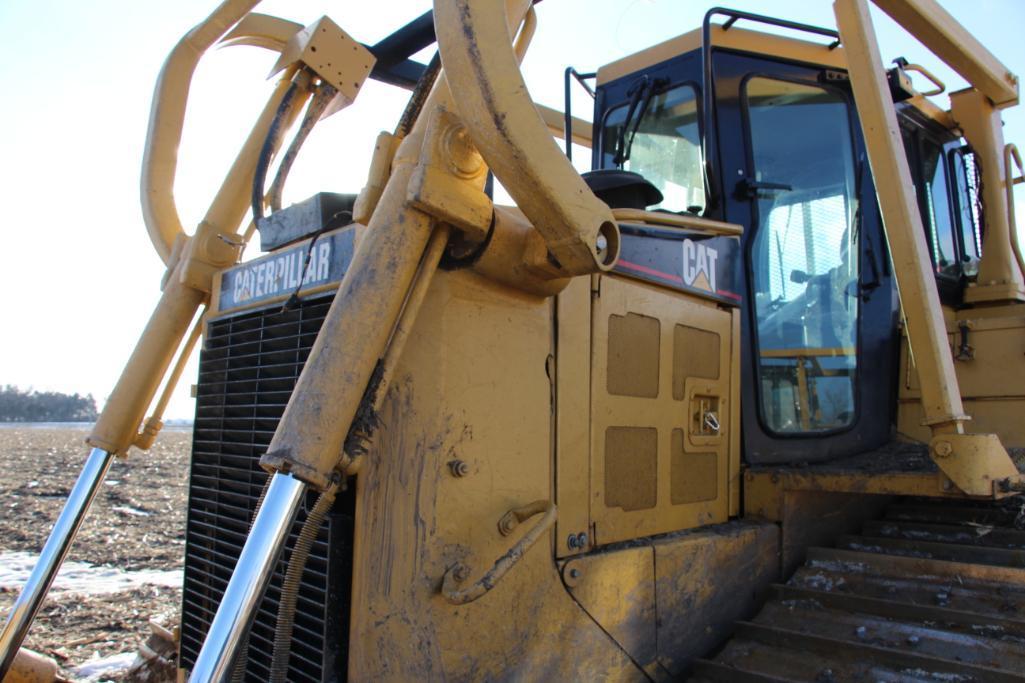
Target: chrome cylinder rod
{"type": "Point", "coordinates": [52, 556]}
{"type": "Point", "coordinates": [249, 580]}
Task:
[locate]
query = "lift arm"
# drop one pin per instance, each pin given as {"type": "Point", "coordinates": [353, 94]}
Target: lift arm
{"type": "Point", "coordinates": [975, 463]}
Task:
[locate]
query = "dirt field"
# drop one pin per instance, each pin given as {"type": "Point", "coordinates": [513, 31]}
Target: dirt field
{"type": "Point", "coordinates": [137, 523]}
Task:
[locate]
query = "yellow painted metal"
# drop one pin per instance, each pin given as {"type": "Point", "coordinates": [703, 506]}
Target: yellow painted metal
{"type": "Point", "coordinates": [1000, 277]}
{"type": "Point", "coordinates": [976, 463]}
{"type": "Point", "coordinates": [32, 667]}
{"type": "Point", "coordinates": [472, 384]}
{"type": "Point", "coordinates": [930, 23]}
{"type": "Point", "coordinates": [903, 223]}
{"type": "Point", "coordinates": [309, 438]}
{"type": "Point", "coordinates": [517, 256]}
{"type": "Point", "coordinates": [735, 484]}
{"type": "Point", "coordinates": [335, 57]}
{"type": "Point", "coordinates": [617, 589]}
{"type": "Point", "coordinates": [459, 573]}
{"type": "Point", "coordinates": [733, 39]}
{"type": "Point", "coordinates": [166, 119]}
{"type": "Point", "coordinates": [990, 374]}
{"type": "Point", "coordinates": [215, 244]}
{"type": "Point", "coordinates": [669, 600]}
{"type": "Point", "coordinates": [116, 428]}
{"type": "Point", "coordinates": [512, 137]}
{"type": "Point", "coordinates": [668, 407]}
{"type": "Point", "coordinates": [144, 440]}
{"type": "Point", "coordinates": [380, 170]}
{"type": "Point", "coordinates": [765, 488]}
{"type": "Point", "coordinates": [677, 221]}
{"type": "Point", "coordinates": [941, 398]}
{"type": "Point", "coordinates": [262, 30]}
{"type": "Point", "coordinates": [350, 462]}
{"type": "Point", "coordinates": [449, 179]}
{"type": "Point", "coordinates": [556, 122]}
{"type": "Point", "coordinates": [573, 415]}
{"type": "Point", "coordinates": [1011, 155]}
{"type": "Point", "coordinates": [194, 261]}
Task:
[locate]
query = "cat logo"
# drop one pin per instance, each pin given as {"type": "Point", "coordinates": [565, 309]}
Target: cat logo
{"type": "Point", "coordinates": [699, 265]}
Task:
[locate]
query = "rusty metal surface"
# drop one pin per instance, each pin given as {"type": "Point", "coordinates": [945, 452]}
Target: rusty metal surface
{"type": "Point", "coordinates": [931, 591]}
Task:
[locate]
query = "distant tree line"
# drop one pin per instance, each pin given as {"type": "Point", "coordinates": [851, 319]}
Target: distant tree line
{"type": "Point", "coordinates": [17, 405]}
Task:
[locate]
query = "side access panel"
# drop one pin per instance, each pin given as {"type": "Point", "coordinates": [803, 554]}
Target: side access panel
{"type": "Point", "coordinates": [660, 411]}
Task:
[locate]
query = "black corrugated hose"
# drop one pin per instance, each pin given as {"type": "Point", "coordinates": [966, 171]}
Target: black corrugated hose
{"type": "Point", "coordinates": [325, 95]}
{"type": "Point", "coordinates": [270, 143]}
{"type": "Point", "coordinates": [290, 586]}
{"type": "Point", "coordinates": [419, 96]}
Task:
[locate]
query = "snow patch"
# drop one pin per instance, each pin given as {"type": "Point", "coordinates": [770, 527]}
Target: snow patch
{"type": "Point", "coordinates": [99, 669]}
{"type": "Point", "coordinates": [82, 578]}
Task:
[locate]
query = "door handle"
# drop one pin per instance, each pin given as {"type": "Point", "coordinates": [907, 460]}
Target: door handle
{"type": "Point", "coordinates": [749, 188]}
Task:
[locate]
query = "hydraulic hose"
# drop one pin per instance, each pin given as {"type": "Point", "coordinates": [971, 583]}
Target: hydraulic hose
{"type": "Point", "coordinates": [290, 586]}
{"type": "Point", "coordinates": [325, 94]}
{"type": "Point", "coordinates": [270, 143]}
{"type": "Point", "coordinates": [419, 96]}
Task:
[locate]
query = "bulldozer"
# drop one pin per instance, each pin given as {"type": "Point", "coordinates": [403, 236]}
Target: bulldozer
{"type": "Point", "coordinates": [742, 403]}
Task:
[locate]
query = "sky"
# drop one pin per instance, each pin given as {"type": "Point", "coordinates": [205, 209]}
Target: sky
{"type": "Point", "coordinates": [79, 277]}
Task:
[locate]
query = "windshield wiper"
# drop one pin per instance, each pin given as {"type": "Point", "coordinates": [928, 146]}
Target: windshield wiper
{"type": "Point", "coordinates": [641, 93]}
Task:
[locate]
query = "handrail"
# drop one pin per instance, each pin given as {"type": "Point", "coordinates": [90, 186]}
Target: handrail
{"type": "Point", "coordinates": [710, 150]}
{"type": "Point", "coordinates": [458, 572]}
{"type": "Point", "coordinates": [568, 103]}
{"type": "Point", "coordinates": [1011, 153]}
{"type": "Point", "coordinates": [231, 21]}
{"type": "Point", "coordinates": [677, 220]}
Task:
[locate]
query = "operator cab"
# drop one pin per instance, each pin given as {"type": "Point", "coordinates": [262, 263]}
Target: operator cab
{"type": "Point", "coordinates": [761, 130]}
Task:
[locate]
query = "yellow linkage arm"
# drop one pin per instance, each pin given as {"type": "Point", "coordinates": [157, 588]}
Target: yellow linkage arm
{"type": "Point", "coordinates": [975, 463]}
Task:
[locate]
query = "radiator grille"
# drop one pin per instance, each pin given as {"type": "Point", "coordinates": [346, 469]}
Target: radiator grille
{"type": "Point", "coordinates": [247, 370]}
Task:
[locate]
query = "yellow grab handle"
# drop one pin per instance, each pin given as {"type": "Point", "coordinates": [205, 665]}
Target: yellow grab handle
{"type": "Point", "coordinates": [457, 573]}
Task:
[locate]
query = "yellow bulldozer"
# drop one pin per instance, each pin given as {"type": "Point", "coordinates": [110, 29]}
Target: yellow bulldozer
{"type": "Point", "coordinates": [742, 403]}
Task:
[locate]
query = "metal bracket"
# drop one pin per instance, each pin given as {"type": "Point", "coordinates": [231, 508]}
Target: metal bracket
{"type": "Point", "coordinates": [449, 178]}
{"type": "Point", "coordinates": [977, 464]}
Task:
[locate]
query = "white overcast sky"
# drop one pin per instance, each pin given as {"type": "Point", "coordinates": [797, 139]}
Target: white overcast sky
{"type": "Point", "coordinates": [79, 277]}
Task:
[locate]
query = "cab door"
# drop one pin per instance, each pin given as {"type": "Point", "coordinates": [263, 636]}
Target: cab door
{"type": "Point", "coordinates": [819, 326]}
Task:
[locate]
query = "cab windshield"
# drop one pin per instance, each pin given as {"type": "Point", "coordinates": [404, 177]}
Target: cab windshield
{"type": "Point", "coordinates": [661, 141]}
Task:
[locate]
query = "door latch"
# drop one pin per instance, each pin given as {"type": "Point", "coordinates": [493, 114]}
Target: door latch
{"type": "Point", "coordinates": [749, 188]}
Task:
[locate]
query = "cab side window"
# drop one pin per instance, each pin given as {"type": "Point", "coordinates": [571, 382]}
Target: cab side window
{"type": "Point", "coordinates": [947, 189]}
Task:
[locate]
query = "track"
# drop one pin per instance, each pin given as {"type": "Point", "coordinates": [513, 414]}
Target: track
{"type": "Point", "coordinates": [931, 592]}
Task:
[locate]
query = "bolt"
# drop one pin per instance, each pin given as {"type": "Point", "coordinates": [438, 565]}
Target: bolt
{"type": "Point", "coordinates": [602, 242]}
{"type": "Point", "coordinates": [943, 449]}
{"type": "Point", "coordinates": [572, 542]}
{"type": "Point", "coordinates": [574, 573]}
{"type": "Point", "coordinates": [458, 468]}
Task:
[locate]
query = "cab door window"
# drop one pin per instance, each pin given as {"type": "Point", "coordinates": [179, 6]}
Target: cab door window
{"type": "Point", "coordinates": [804, 256]}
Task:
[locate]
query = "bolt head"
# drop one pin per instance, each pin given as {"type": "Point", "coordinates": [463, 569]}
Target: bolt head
{"type": "Point", "coordinates": [943, 449]}
{"type": "Point", "coordinates": [459, 468]}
